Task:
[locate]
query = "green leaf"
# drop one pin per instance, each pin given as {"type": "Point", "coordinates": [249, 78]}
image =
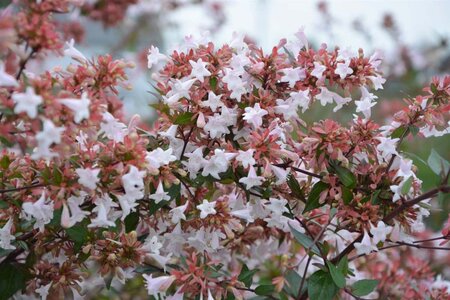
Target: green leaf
{"type": "Point", "coordinates": [265, 289]}
{"type": "Point", "coordinates": [347, 195]}
{"type": "Point", "coordinates": [314, 195]}
{"type": "Point", "coordinates": [184, 118]}
{"type": "Point", "coordinates": [131, 221]}
{"type": "Point", "coordinates": [246, 275]}
{"type": "Point", "coordinates": [336, 275]}
{"type": "Point", "coordinates": [305, 241]}
{"type": "Point", "coordinates": [364, 287]}
{"type": "Point", "coordinates": [346, 176]}
{"type": "Point", "coordinates": [343, 265]}
{"type": "Point", "coordinates": [321, 286]}
{"type": "Point", "coordinates": [12, 279]}
{"type": "Point", "coordinates": [57, 176]}
{"type": "Point", "coordinates": [437, 163]}
{"type": "Point", "coordinates": [295, 187]}
{"type": "Point", "coordinates": [407, 185]}
{"type": "Point", "coordinates": [397, 132]}
{"type": "Point", "coordinates": [79, 234]}
{"type": "Point", "coordinates": [3, 204]}
{"type": "Point", "coordinates": [293, 282]}
{"type": "Point", "coordinates": [213, 82]}
{"type": "Point", "coordinates": [5, 162]}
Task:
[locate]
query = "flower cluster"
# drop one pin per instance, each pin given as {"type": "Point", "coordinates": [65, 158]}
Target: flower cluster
{"type": "Point", "coordinates": [230, 193]}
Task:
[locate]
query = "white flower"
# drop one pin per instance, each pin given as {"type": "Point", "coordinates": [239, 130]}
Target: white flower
{"type": "Point", "coordinates": [5, 78]}
{"type": "Point", "coordinates": [154, 57]}
{"type": "Point", "coordinates": [80, 107]}
{"type": "Point", "coordinates": [213, 101]}
{"type": "Point", "coordinates": [234, 83]}
{"type": "Point", "coordinates": [102, 217]}
{"type": "Point", "coordinates": [343, 69]}
{"type": "Point", "coordinates": [112, 128]}
{"type": "Point", "coordinates": [178, 213]}
{"type": "Point", "coordinates": [160, 195]}
{"type": "Point", "coordinates": [206, 208]}
{"type": "Point", "coordinates": [375, 59]}
{"type": "Point", "coordinates": [152, 245]}
{"type": "Point", "coordinates": [254, 115]}
{"type": "Point", "coordinates": [76, 213]}
{"type": "Point", "coordinates": [377, 81]}
{"type": "Point", "coordinates": [318, 70]}
{"type": "Point", "coordinates": [73, 52]}
{"type": "Point", "coordinates": [27, 102]}
{"type": "Point", "coordinates": [88, 177]}
{"type": "Point", "coordinates": [277, 206]}
{"type": "Point", "coordinates": [50, 133]}
{"type": "Point", "coordinates": [157, 285]}
{"type": "Point", "coordinates": [325, 96]}
{"type": "Point", "coordinates": [246, 158]}
{"type": "Point", "coordinates": [292, 75]}
{"type": "Point", "coordinates": [340, 101]}
{"type": "Point", "coordinates": [133, 182]}
{"type": "Point", "coordinates": [405, 169]}
{"type": "Point", "coordinates": [252, 179]}
{"type": "Point", "coordinates": [218, 163]}
{"type": "Point", "coordinates": [238, 62]}
{"type": "Point", "coordinates": [245, 214]}
{"type": "Point", "coordinates": [180, 89]}
{"type": "Point", "coordinates": [300, 99]}
{"type": "Point", "coordinates": [365, 246]}
{"type": "Point", "coordinates": [127, 203]}
{"type": "Point", "coordinates": [345, 54]}
{"type": "Point", "coordinates": [199, 70]}
{"type": "Point", "coordinates": [380, 232]}
{"type": "Point", "coordinates": [159, 157]}
{"type": "Point", "coordinates": [41, 211]}
{"type": "Point", "coordinates": [365, 104]}
{"type": "Point", "coordinates": [387, 146]}
{"type": "Point", "coordinates": [6, 237]}
{"type": "Point", "coordinates": [280, 173]}
{"type": "Point", "coordinates": [43, 290]}
{"type": "Point", "coordinates": [216, 126]}
{"type": "Point", "coordinates": [195, 162]}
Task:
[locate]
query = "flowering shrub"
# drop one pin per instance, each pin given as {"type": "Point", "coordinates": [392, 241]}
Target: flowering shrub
{"type": "Point", "coordinates": [229, 194]}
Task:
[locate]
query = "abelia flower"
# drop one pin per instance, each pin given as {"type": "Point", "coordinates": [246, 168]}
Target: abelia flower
{"type": "Point", "coordinates": [292, 75]}
{"type": "Point", "coordinates": [80, 107]}
{"type": "Point", "coordinates": [160, 194]}
{"type": "Point", "coordinates": [133, 182]}
{"type": "Point", "coordinates": [5, 78]}
{"type": "Point", "coordinates": [254, 115]}
{"type": "Point", "coordinates": [343, 69]}
{"type": "Point", "coordinates": [41, 211]}
{"type": "Point", "coordinates": [27, 102]}
{"type": "Point", "coordinates": [73, 52]}
{"type": "Point", "coordinates": [88, 177]}
{"type": "Point", "coordinates": [6, 237]}
{"type": "Point", "coordinates": [246, 158]}
{"type": "Point", "coordinates": [199, 70]}
{"type": "Point", "coordinates": [251, 179]}
{"type": "Point", "coordinates": [380, 232]}
{"type": "Point", "coordinates": [157, 285]}
{"type": "Point", "coordinates": [206, 208]}
{"type": "Point", "coordinates": [154, 57]}
{"type": "Point", "coordinates": [366, 246]}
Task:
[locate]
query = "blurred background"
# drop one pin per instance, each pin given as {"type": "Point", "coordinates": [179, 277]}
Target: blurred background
{"type": "Point", "coordinates": [412, 35]}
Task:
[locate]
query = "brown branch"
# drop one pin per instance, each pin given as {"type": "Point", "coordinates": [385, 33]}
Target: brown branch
{"type": "Point", "coordinates": [392, 215]}
{"type": "Point", "coordinates": [430, 194]}
{"type": "Point", "coordinates": [22, 188]}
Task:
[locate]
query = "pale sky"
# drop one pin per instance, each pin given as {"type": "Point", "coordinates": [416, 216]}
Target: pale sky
{"type": "Point", "coordinates": [270, 20]}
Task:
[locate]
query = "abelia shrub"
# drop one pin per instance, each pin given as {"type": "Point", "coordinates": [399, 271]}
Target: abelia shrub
{"type": "Point", "coordinates": [230, 194]}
